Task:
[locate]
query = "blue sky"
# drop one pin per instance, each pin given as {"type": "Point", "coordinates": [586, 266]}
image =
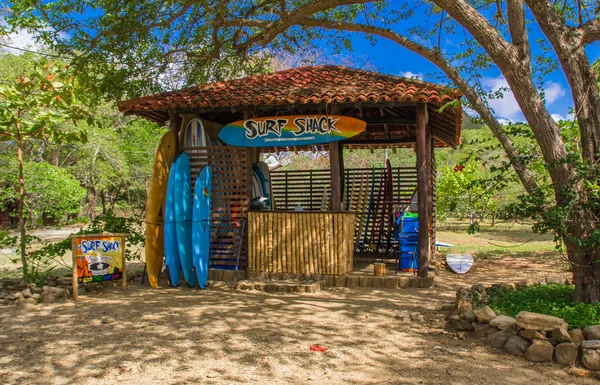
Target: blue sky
{"type": "Point", "coordinates": [388, 57]}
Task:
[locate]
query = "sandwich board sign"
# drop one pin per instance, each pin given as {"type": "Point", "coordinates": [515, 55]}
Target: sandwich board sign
{"type": "Point", "coordinates": [292, 130]}
{"type": "Point", "coordinates": [98, 258]}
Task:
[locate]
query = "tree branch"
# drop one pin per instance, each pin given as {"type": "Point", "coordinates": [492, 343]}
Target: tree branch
{"type": "Point", "coordinates": [435, 57]}
{"type": "Point", "coordinates": [518, 29]}
{"type": "Point", "coordinates": [590, 31]}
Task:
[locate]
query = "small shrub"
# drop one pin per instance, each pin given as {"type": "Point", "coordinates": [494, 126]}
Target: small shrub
{"type": "Point", "coordinates": [554, 300]}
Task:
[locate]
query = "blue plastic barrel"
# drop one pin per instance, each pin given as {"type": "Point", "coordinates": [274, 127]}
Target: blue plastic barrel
{"type": "Point", "coordinates": [409, 239]}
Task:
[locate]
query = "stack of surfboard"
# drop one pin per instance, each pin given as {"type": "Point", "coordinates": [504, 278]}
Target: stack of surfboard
{"type": "Point", "coordinates": [185, 237]}
{"type": "Point", "coordinates": [261, 184]}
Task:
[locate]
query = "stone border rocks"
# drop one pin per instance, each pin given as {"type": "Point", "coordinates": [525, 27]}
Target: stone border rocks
{"type": "Point", "coordinates": [537, 337]}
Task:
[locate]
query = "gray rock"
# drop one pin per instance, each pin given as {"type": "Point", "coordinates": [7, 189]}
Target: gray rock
{"type": "Point", "coordinates": [555, 281]}
{"type": "Point", "coordinates": [590, 358]}
{"type": "Point", "coordinates": [18, 296]}
{"type": "Point", "coordinates": [516, 345]}
{"type": "Point", "coordinates": [590, 344]}
{"type": "Point", "coordinates": [539, 351]}
{"type": "Point", "coordinates": [498, 339]}
{"type": "Point", "coordinates": [5, 294]}
{"type": "Point", "coordinates": [417, 317]}
{"type": "Point", "coordinates": [508, 286]}
{"type": "Point", "coordinates": [461, 324]}
{"type": "Point", "coordinates": [484, 330]}
{"type": "Point", "coordinates": [503, 322]}
{"type": "Point", "coordinates": [480, 288]}
{"type": "Point", "coordinates": [592, 332]}
{"type": "Point", "coordinates": [535, 321]}
{"type": "Point", "coordinates": [566, 353]}
{"type": "Point", "coordinates": [53, 294]}
{"type": "Point", "coordinates": [576, 335]}
{"type": "Point", "coordinates": [531, 335]}
{"type": "Point", "coordinates": [36, 296]}
{"type": "Point", "coordinates": [526, 283]}
{"type": "Point", "coordinates": [560, 335]}
{"type": "Point", "coordinates": [27, 293]}
{"type": "Point", "coordinates": [470, 316]}
{"type": "Point", "coordinates": [402, 317]}
{"type": "Point", "coordinates": [485, 314]}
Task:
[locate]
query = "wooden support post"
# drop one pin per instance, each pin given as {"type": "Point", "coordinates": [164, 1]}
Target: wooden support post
{"type": "Point", "coordinates": [174, 122]}
{"type": "Point", "coordinates": [423, 189]}
{"type": "Point", "coordinates": [429, 166]}
{"type": "Point", "coordinates": [336, 176]}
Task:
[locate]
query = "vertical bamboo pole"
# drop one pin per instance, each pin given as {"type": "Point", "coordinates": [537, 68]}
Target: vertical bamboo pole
{"type": "Point", "coordinates": [308, 258]}
{"type": "Point", "coordinates": [302, 269]}
{"type": "Point", "coordinates": [270, 241]}
{"type": "Point", "coordinates": [294, 238]}
{"type": "Point", "coordinates": [275, 242]}
{"type": "Point", "coordinates": [340, 245]}
{"type": "Point", "coordinates": [314, 242]}
{"type": "Point", "coordinates": [261, 246]}
{"type": "Point", "coordinates": [325, 233]}
{"type": "Point", "coordinates": [288, 243]}
{"type": "Point", "coordinates": [250, 242]}
{"type": "Point", "coordinates": [343, 237]}
{"type": "Point", "coordinates": [321, 244]}
{"type": "Point", "coordinates": [280, 229]}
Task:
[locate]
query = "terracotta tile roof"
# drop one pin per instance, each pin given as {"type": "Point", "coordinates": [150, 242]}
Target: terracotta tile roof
{"type": "Point", "coordinates": [305, 85]}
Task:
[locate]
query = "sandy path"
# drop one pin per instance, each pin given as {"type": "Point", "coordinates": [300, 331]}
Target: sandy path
{"type": "Point", "coordinates": [180, 336]}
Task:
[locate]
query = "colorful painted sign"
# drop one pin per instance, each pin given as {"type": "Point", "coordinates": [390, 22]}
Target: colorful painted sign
{"type": "Point", "coordinates": [294, 130]}
{"type": "Point", "coordinates": [99, 257]}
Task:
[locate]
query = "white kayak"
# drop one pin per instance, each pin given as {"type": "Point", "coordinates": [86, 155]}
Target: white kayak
{"type": "Point", "coordinates": [459, 263]}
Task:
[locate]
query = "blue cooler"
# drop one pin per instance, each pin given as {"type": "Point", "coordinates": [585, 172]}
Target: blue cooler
{"type": "Point", "coordinates": [407, 234]}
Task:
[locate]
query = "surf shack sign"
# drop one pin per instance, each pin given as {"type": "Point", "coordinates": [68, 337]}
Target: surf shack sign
{"type": "Point", "coordinates": [98, 258]}
{"type": "Point", "coordinates": [293, 130]}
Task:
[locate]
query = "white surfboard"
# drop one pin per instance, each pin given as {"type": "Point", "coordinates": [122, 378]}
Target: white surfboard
{"type": "Point", "coordinates": [195, 136]}
{"type": "Point", "coordinates": [459, 263]}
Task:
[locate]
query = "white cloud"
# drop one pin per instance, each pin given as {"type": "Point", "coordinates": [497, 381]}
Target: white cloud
{"type": "Point", "coordinates": [553, 92]}
{"type": "Point", "coordinates": [507, 106]}
{"type": "Point", "coordinates": [557, 117]}
{"type": "Point", "coordinates": [409, 74]}
{"type": "Point", "coordinates": [22, 40]}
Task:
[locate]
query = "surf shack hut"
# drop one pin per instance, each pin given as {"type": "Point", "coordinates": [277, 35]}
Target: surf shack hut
{"type": "Point", "coordinates": [321, 108]}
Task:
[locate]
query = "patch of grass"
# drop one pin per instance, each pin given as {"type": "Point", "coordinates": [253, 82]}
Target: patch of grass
{"type": "Point", "coordinates": [554, 300]}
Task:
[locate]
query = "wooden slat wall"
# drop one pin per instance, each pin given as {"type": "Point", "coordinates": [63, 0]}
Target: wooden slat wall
{"type": "Point", "coordinates": [228, 201]}
{"type": "Point", "coordinates": [301, 242]}
{"type": "Point", "coordinates": [305, 187]}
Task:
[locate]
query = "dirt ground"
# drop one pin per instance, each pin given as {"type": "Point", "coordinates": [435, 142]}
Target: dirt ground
{"type": "Point", "coordinates": [219, 336]}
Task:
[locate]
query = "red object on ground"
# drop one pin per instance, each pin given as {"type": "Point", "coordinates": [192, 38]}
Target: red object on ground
{"type": "Point", "coordinates": [318, 348]}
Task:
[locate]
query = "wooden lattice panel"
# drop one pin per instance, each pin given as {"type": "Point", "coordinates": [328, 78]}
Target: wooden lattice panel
{"type": "Point", "coordinates": [229, 201]}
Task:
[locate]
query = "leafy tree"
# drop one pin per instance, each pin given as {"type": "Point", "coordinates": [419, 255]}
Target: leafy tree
{"type": "Point", "coordinates": [193, 34]}
{"type": "Point", "coordinates": [34, 107]}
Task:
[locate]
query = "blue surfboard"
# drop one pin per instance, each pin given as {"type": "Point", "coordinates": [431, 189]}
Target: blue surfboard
{"type": "Point", "coordinates": [201, 225]}
{"type": "Point", "coordinates": [183, 217]}
{"type": "Point", "coordinates": [171, 249]}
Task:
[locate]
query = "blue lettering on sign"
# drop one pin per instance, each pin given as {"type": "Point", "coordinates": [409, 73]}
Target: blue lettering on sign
{"type": "Point", "coordinates": [95, 245]}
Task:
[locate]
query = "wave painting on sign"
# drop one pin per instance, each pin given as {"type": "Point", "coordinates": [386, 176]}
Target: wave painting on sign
{"type": "Point", "coordinates": [294, 130]}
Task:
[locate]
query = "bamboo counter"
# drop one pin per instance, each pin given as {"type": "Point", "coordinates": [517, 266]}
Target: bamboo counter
{"type": "Point", "coordinates": [301, 242]}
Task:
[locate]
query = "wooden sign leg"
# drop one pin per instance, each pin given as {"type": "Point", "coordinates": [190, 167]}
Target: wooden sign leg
{"type": "Point", "coordinates": [75, 282]}
{"type": "Point", "coordinates": [124, 279]}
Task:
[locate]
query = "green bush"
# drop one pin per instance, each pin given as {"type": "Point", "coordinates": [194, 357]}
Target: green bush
{"type": "Point", "coordinates": [554, 300]}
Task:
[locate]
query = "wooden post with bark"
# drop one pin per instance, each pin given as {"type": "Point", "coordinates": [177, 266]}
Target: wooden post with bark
{"type": "Point", "coordinates": [423, 188]}
{"type": "Point", "coordinates": [336, 176]}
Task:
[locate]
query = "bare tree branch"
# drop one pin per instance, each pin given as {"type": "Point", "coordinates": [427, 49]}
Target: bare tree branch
{"type": "Point", "coordinates": [518, 29]}
{"type": "Point", "coordinates": [590, 31]}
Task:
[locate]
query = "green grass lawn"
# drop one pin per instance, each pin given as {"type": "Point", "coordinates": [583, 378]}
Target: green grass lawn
{"type": "Point", "coordinates": [502, 239]}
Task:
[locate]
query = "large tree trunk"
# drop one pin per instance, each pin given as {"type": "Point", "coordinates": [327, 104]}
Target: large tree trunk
{"type": "Point", "coordinates": [22, 230]}
{"type": "Point", "coordinates": [585, 261]}
{"type": "Point", "coordinates": [569, 45]}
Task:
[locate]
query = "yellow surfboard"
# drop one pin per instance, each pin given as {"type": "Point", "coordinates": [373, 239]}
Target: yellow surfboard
{"type": "Point", "coordinates": [155, 207]}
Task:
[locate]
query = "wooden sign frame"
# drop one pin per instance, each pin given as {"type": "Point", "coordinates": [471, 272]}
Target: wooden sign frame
{"type": "Point", "coordinates": [75, 275]}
